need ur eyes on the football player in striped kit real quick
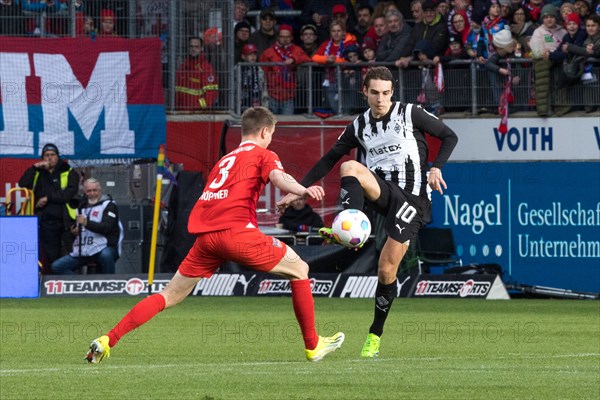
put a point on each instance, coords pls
(395, 180)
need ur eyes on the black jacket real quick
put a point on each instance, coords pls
(393, 44)
(436, 34)
(300, 220)
(577, 40)
(48, 185)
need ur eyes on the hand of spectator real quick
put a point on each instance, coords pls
(436, 60)
(41, 165)
(565, 47)
(403, 62)
(436, 182)
(503, 71)
(289, 61)
(472, 53)
(74, 229)
(545, 54)
(589, 48)
(41, 203)
(81, 219)
(516, 80)
(481, 60)
(330, 59)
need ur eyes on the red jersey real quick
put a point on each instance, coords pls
(229, 199)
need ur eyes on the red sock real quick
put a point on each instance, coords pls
(141, 313)
(304, 308)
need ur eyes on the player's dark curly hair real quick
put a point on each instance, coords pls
(379, 73)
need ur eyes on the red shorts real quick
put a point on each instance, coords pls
(246, 246)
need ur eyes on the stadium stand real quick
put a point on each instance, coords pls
(466, 83)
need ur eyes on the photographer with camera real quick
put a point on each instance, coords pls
(98, 232)
(54, 184)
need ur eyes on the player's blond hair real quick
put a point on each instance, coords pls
(255, 119)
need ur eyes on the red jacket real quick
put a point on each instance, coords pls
(321, 58)
(281, 80)
(196, 86)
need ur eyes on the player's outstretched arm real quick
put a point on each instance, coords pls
(288, 184)
(314, 192)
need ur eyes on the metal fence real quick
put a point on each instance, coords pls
(468, 87)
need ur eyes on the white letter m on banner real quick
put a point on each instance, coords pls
(62, 92)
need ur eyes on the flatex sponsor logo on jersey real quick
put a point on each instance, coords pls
(283, 286)
(133, 286)
(469, 288)
(386, 149)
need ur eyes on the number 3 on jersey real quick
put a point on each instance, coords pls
(225, 165)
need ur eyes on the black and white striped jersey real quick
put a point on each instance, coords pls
(393, 146)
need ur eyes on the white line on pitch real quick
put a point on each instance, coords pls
(95, 369)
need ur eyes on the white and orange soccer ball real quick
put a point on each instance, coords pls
(351, 228)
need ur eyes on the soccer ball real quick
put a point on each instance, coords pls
(351, 228)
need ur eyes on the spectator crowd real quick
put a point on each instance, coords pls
(427, 34)
(489, 33)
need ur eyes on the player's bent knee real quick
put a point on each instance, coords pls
(350, 168)
(171, 299)
(299, 271)
(387, 275)
(303, 270)
(294, 270)
(387, 272)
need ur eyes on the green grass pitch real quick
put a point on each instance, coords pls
(250, 348)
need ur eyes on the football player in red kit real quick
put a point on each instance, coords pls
(226, 229)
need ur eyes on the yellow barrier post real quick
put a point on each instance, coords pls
(159, 166)
(27, 208)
